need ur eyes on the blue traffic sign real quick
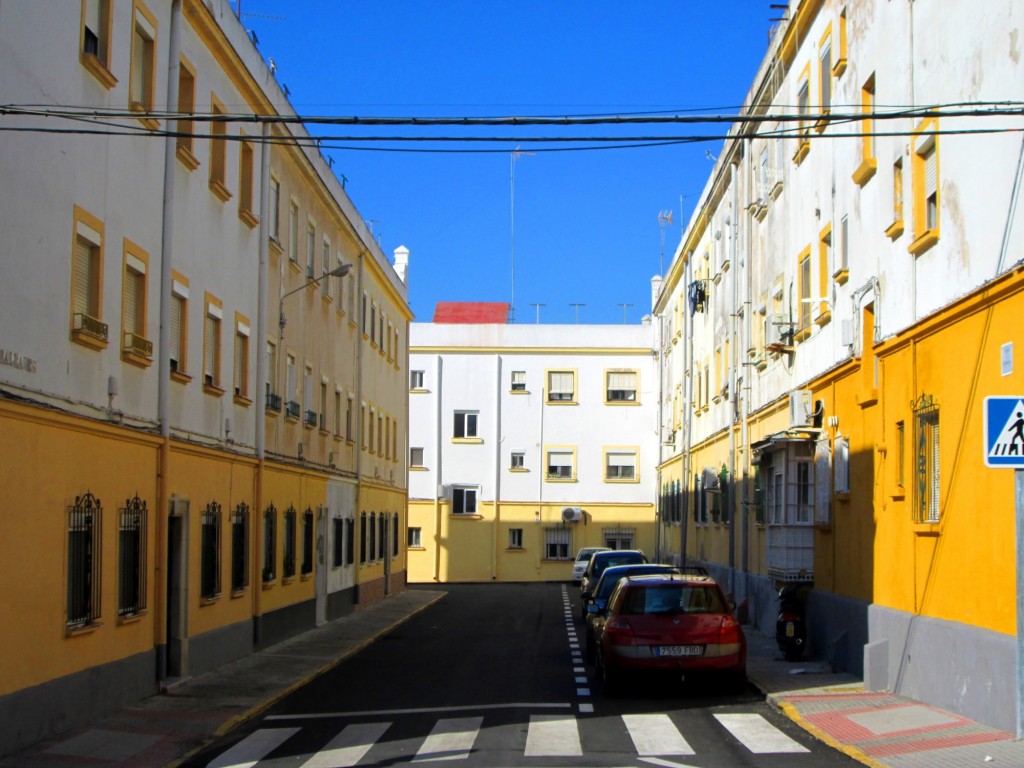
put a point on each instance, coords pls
(1004, 432)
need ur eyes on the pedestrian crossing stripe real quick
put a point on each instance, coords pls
(1004, 432)
(548, 736)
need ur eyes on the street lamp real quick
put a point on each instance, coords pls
(339, 271)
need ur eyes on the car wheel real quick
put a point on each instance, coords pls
(610, 677)
(591, 650)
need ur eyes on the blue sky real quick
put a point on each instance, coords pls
(586, 223)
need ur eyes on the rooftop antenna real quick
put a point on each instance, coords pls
(577, 306)
(624, 308)
(515, 155)
(664, 217)
(537, 308)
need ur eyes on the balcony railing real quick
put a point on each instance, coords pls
(292, 409)
(273, 402)
(137, 345)
(312, 418)
(90, 326)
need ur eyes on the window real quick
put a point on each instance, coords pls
(841, 55)
(293, 232)
(179, 328)
(362, 538)
(824, 260)
(803, 108)
(269, 543)
(310, 416)
(804, 277)
(896, 228)
(926, 439)
(245, 185)
(465, 424)
(211, 344)
(275, 210)
(338, 413)
(323, 405)
(325, 266)
(142, 72)
(561, 386)
(414, 538)
(415, 379)
(95, 44)
(620, 386)
(348, 418)
(464, 500)
(337, 542)
(518, 381)
(556, 543)
(209, 574)
(87, 326)
(135, 347)
(620, 465)
(85, 518)
(240, 547)
(560, 464)
(186, 108)
(841, 474)
(291, 405)
(825, 75)
(310, 251)
(868, 162)
(416, 457)
(131, 558)
(619, 538)
(218, 149)
(241, 367)
(842, 270)
(901, 455)
(515, 538)
(372, 545)
(518, 460)
(925, 179)
(395, 529)
(290, 533)
(307, 542)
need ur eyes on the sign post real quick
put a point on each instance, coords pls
(1004, 447)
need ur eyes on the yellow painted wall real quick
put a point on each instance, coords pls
(46, 460)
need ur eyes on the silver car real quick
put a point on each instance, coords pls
(582, 559)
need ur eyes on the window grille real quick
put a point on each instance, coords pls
(85, 519)
(620, 538)
(270, 543)
(210, 555)
(362, 538)
(307, 541)
(556, 543)
(131, 566)
(240, 547)
(382, 536)
(350, 540)
(394, 535)
(926, 439)
(338, 542)
(372, 546)
(289, 542)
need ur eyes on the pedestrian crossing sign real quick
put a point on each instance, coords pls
(1004, 432)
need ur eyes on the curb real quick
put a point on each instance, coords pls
(790, 711)
(235, 721)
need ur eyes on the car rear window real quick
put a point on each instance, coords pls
(608, 562)
(673, 598)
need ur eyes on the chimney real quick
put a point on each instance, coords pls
(402, 263)
(655, 290)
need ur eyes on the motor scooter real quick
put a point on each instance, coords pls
(790, 630)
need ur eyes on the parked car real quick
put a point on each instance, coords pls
(601, 560)
(579, 565)
(594, 605)
(669, 624)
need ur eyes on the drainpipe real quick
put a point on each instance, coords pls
(745, 395)
(731, 362)
(687, 403)
(439, 475)
(497, 468)
(164, 361)
(659, 511)
(261, 381)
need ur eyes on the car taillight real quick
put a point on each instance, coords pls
(619, 631)
(730, 631)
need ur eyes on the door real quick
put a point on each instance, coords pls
(321, 566)
(177, 589)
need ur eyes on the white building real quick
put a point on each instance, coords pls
(526, 443)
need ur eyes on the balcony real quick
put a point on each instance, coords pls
(273, 402)
(89, 331)
(292, 409)
(312, 418)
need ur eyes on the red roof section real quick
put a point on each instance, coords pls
(471, 312)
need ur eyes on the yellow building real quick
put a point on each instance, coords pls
(203, 367)
(849, 283)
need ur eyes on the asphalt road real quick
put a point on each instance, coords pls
(488, 677)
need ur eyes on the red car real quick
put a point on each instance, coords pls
(670, 624)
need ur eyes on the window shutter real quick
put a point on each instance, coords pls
(210, 349)
(623, 380)
(83, 275)
(561, 383)
(929, 171)
(176, 305)
(130, 299)
(239, 364)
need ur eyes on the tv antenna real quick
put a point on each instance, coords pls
(664, 218)
(514, 155)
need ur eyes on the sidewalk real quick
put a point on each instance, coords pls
(877, 729)
(163, 730)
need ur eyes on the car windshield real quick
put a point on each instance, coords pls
(673, 598)
(608, 562)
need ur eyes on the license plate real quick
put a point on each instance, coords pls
(679, 650)
(790, 629)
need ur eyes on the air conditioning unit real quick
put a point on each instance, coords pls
(571, 514)
(800, 409)
(710, 480)
(777, 331)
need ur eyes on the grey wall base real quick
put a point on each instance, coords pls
(341, 603)
(950, 665)
(43, 711)
(218, 647)
(288, 621)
